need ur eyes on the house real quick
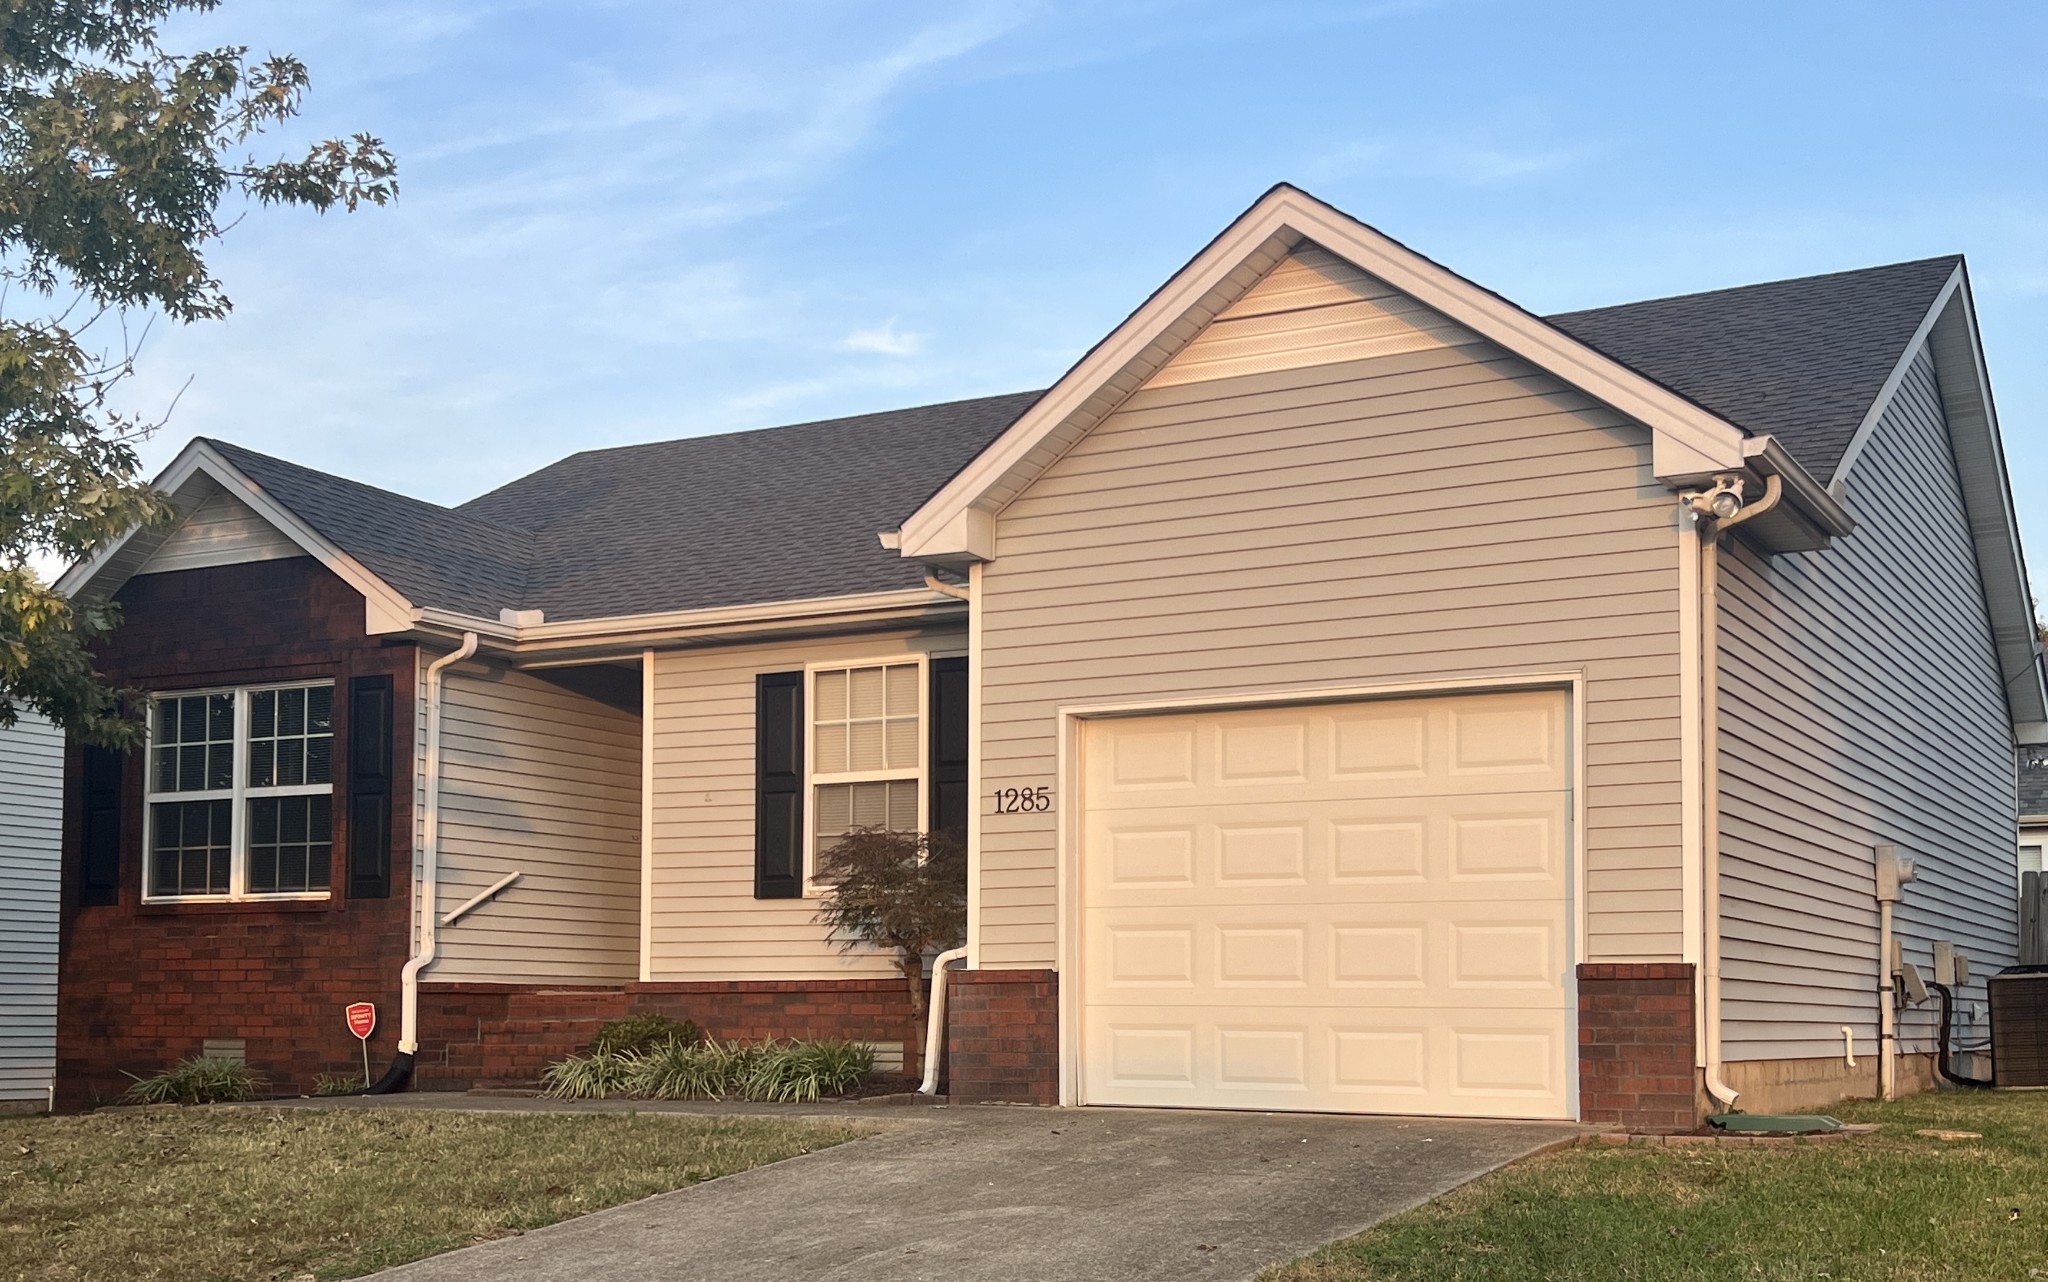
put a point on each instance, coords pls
(31, 810)
(1358, 693)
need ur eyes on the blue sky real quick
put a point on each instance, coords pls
(634, 221)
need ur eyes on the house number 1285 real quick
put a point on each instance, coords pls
(1022, 801)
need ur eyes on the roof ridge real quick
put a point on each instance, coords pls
(781, 427)
(233, 448)
(1759, 284)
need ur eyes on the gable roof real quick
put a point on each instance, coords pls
(1802, 360)
(433, 556)
(1689, 441)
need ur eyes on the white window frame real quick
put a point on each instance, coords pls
(238, 794)
(813, 780)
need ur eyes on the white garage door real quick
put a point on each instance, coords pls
(1355, 907)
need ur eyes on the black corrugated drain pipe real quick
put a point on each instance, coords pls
(1941, 1056)
(394, 1078)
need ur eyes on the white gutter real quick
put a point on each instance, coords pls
(935, 1020)
(1704, 506)
(430, 852)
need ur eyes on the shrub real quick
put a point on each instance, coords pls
(784, 1072)
(799, 1072)
(588, 1076)
(197, 1080)
(900, 891)
(640, 1033)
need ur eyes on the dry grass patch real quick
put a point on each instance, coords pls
(1891, 1207)
(278, 1194)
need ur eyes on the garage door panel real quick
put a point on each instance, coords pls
(1329, 843)
(1353, 907)
(1335, 1059)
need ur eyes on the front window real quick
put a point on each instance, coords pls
(241, 791)
(867, 750)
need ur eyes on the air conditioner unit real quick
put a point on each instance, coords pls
(2019, 1026)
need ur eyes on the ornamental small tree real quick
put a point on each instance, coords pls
(899, 891)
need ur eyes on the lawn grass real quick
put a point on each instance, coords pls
(200, 1194)
(1892, 1206)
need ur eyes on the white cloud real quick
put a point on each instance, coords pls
(884, 339)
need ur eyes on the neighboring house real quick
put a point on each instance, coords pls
(2033, 804)
(31, 829)
(1325, 671)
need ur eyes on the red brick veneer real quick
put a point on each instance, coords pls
(140, 985)
(506, 1033)
(1636, 1046)
(1002, 1037)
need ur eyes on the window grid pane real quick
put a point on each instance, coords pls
(290, 844)
(191, 846)
(866, 719)
(291, 737)
(889, 804)
(194, 744)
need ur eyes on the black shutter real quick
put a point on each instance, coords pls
(778, 785)
(99, 865)
(369, 787)
(947, 801)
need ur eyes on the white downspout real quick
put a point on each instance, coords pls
(1710, 763)
(430, 852)
(935, 1020)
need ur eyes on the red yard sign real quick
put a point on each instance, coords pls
(362, 1019)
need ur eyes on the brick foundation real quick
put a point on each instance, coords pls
(141, 986)
(1636, 1046)
(1002, 1037)
(505, 1034)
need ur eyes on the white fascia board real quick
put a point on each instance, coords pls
(640, 631)
(385, 609)
(1286, 216)
(1972, 416)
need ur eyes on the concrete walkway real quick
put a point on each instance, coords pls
(1000, 1194)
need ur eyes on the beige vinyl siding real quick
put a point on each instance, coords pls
(706, 922)
(544, 782)
(220, 531)
(1861, 703)
(31, 831)
(1437, 510)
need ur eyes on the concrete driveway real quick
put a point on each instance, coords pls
(999, 1194)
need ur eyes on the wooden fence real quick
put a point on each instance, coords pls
(2033, 919)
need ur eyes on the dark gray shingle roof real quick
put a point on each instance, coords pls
(787, 513)
(434, 556)
(1801, 360)
(773, 515)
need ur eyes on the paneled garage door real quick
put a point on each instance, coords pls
(1358, 907)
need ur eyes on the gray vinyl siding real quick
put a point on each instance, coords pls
(1861, 704)
(1434, 511)
(546, 783)
(705, 922)
(220, 531)
(31, 829)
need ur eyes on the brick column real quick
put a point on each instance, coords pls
(1636, 1046)
(1002, 1037)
